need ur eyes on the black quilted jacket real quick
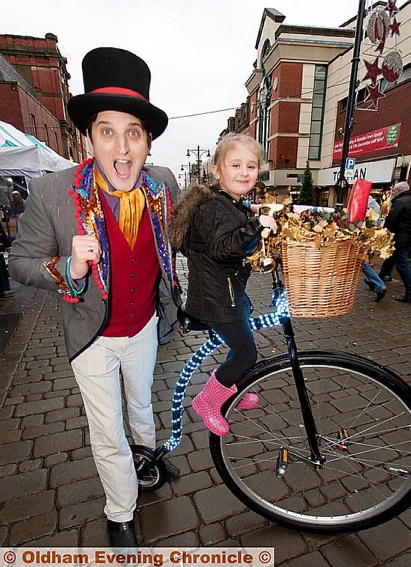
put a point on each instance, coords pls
(398, 219)
(221, 234)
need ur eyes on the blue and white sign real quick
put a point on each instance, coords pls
(349, 167)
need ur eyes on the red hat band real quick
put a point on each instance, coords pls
(117, 91)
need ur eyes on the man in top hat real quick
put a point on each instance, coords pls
(98, 235)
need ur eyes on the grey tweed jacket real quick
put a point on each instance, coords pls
(46, 229)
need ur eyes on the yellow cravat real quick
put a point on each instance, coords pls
(132, 205)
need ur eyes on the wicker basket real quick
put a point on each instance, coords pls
(320, 282)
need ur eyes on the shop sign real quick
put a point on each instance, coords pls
(381, 139)
(379, 171)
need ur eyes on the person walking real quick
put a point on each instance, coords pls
(372, 279)
(398, 221)
(216, 232)
(98, 235)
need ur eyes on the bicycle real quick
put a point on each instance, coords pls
(329, 447)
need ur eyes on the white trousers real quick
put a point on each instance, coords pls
(97, 371)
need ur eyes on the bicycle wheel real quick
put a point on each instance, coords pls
(151, 476)
(363, 419)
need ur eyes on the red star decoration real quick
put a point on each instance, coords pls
(375, 94)
(395, 27)
(373, 71)
(391, 7)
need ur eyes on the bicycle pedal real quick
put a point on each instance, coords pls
(282, 462)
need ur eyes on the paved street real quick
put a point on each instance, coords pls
(50, 494)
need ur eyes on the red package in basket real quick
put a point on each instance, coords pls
(357, 204)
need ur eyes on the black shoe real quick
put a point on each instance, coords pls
(370, 285)
(380, 295)
(172, 470)
(403, 299)
(122, 534)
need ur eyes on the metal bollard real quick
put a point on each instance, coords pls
(5, 290)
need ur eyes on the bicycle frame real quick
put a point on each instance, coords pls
(281, 317)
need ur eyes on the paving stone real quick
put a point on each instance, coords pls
(72, 471)
(211, 534)
(244, 523)
(342, 551)
(62, 414)
(26, 507)
(33, 528)
(8, 470)
(42, 406)
(65, 441)
(177, 515)
(32, 420)
(67, 539)
(186, 539)
(9, 437)
(55, 459)
(216, 503)
(31, 388)
(80, 491)
(94, 534)
(376, 539)
(287, 543)
(19, 485)
(200, 460)
(31, 465)
(40, 430)
(78, 514)
(191, 483)
(314, 558)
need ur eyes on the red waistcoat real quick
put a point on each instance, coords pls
(133, 277)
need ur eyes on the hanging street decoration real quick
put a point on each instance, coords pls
(382, 25)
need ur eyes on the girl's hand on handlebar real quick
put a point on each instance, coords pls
(268, 222)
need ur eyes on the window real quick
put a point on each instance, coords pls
(317, 112)
(33, 125)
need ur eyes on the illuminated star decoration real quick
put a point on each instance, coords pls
(391, 7)
(373, 71)
(375, 94)
(395, 27)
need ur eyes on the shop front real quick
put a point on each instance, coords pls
(383, 173)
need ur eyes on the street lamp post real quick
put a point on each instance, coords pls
(187, 174)
(341, 184)
(198, 153)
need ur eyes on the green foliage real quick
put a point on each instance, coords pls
(307, 192)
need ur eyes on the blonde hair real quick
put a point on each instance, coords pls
(230, 141)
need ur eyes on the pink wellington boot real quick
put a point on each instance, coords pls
(207, 404)
(248, 401)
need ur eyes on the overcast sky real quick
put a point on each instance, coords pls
(200, 52)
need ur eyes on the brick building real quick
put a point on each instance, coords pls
(34, 92)
(297, 99)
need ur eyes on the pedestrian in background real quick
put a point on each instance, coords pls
(372, 279)
(216, 231)
(398, 221)
(16, 207)
(98, 235)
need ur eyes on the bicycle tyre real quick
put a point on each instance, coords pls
(150, 475)
(363, 419)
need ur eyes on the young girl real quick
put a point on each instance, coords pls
(216, 231)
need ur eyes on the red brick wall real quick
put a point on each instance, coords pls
(393, 109)
(285, 115)
(16, 108)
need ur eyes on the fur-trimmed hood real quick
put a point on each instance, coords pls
(183, 212)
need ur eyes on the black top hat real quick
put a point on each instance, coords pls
(115, 79)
